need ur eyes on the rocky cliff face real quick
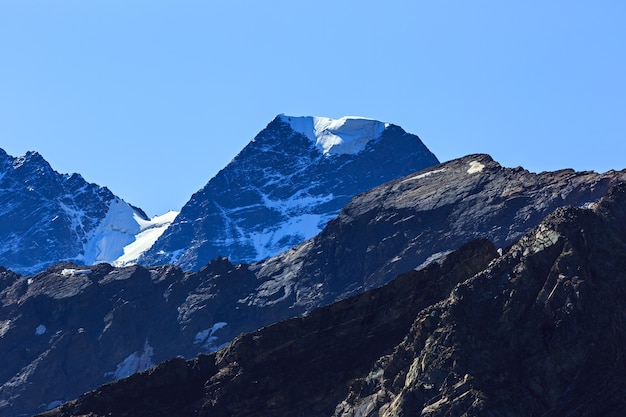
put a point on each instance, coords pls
(119, 321)
(47, 217)
(411, 221)
(539, 332)
(535, 331)
(284, 187)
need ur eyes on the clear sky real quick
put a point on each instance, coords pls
(152, 97)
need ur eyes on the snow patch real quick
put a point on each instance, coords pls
(40, 330)
(54, 404)
(475, 167)
(348, 135)
(5, 326)
(207, 339)
(423, 175)
(114, 232)
(135, 362)
(151, 230)
(71, 272)
(123, 235)
(280, 238)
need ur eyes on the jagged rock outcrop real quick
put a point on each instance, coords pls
(284, 186)
(538, 331)
(134, 317)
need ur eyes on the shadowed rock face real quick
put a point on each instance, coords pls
(536, 331)
(108, 323)
(539, 332)
(292, 367)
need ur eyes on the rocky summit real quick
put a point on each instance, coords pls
(534, 331)
(47, 217)
(284, 186)
(72, 328)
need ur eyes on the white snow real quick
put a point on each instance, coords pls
(347, 135)
(5, 326)
(268, 241)
(207, 339)
(114, 232)
(135, 362)
(298, 224)
(475, 167)
(123, 235)
(150, 232)
(423, 175)
(40, 330)
(70, 272)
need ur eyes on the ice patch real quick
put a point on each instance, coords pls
(5, 326)
(123, 235)
(135, 362)
(475, 167)
(589, 204)
(348, 135)
(70, 272)
(114, 232)
(54, 404)
(40, 330)
(150, 231)
(423, 175)
(207, 339)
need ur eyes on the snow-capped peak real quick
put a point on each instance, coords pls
(347, 135)
(123, 235)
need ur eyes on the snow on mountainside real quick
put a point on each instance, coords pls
(335, 137)
(47, 217)
(149, 232)
(284, 186)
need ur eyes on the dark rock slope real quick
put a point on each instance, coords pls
(537, 331)
(70, 329)
(405, 223)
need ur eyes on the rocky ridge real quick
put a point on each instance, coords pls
(535, 331)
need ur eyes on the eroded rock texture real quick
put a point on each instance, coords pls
(538, 331)
(115, 322)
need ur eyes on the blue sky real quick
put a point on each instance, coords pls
(152, 98)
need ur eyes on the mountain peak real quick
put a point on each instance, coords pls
(347, 135)
(284, 186)
(30, 158)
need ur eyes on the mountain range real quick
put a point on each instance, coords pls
(334, 267)
(72, 328)
(536, 330)
(280, 190)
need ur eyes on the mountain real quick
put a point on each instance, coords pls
(279, 191)
(284, 186)
(47, 217)
(72, 328)
(535, 331)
